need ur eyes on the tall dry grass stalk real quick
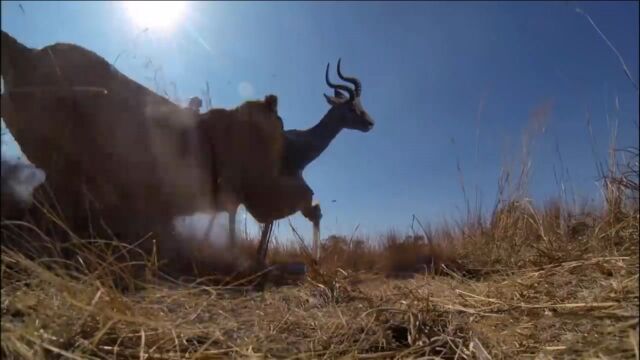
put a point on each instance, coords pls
(551, 280)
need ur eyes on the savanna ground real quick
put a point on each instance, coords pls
(552, 281)
(557, 280)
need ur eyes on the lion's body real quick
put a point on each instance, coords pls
(248, 147)
(247, 143)
(104, 139)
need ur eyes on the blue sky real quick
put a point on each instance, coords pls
(443, 80)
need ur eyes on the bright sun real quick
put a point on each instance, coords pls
(156, 15)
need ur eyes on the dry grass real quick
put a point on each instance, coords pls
(551, 281)
(546, 283)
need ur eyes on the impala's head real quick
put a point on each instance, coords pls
(347, 107)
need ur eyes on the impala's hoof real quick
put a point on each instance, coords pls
(316, 212)
(290, 273)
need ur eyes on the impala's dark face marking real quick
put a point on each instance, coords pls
(348, 109)
(352, 114)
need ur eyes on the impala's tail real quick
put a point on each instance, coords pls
(14, 57)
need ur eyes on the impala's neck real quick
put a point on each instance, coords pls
(323, 133)
(304, 146)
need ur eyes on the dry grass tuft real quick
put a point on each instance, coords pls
(551, 281)
(553, 284)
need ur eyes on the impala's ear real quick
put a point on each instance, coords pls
(339, 94)
(332, 100)
(272, 102)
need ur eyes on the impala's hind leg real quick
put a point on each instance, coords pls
(229, 203)
(279, 198)
(314, 214)
(263, 247)
(232, 227)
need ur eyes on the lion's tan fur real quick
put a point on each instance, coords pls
(138, 155)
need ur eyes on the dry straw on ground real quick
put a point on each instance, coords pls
(556, 281)
(552, 281)
(526, 283)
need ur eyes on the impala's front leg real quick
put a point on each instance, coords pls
(314, 214)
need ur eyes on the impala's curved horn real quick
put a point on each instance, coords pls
(352, 80)
(344, 88)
